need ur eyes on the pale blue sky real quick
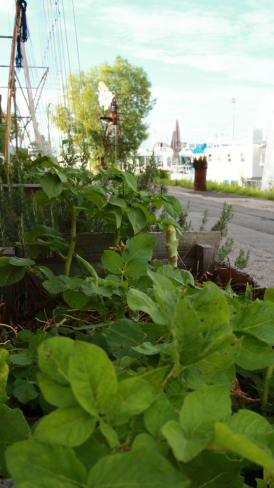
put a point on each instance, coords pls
(198, 55)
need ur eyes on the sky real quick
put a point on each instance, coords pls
(198, 55)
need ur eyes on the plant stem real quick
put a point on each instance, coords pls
(72, 242)
(161, 360)
(267, 386)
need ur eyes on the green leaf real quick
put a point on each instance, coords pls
(172, 205)
(149, 349)
(13, 428)
(187, 331)
(257, 318)
(24, 391)
(21, 261)
(137, 219)
(213, 312)
(255, 354)
(88, 266)
(158, 414)
(56, 285)
(122, 335)
(54, 356)
(119, 202)
(155, 378)
(56, 393)
(93, 378)
(52, 185)
(133, 397)
(21, 358)
(41, 198)
(130, 180)
(112, 261)
(135, 268)
(140, 301)
(79, 300)
(10, 274)
(139, 248)
(4, 372)
(213, 470)
(46, 483)
(47, 272)
(153, 330)
(177, 276)
(146, 441)
(200, 411)
(249, 435)
(110, 434)
(269, 294)
(114, 212)
(92, 450)
(117, 470)
(32, 461)
(68, 426)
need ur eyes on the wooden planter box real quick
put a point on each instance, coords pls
(30, 188)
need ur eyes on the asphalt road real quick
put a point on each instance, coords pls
(252, 226)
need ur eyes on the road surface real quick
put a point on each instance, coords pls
(252, 226)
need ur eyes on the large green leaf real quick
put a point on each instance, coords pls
(213, 312)
(56, 393)
(130, 180)
(172, 205)
(255, 353)
(112, 261)
(93, 378)
(42, 198)
(177, 276)
(140, 468)
(31, 461)
(15, 261)
(139, 248)
(200, 411)
(10, 274)
(146, 441)
(13, 428)
(158, 414)
(249, 435)
(81, 301)
(115, 213)
(57, 284)
(137, 219)
(140, 301)
(54, 356)
(122, 335)
(217, 367)
(46, 483)
(68, 426)
(134, 397)
(187, 331)
(257, 318)
(52, 185)
(213, 470)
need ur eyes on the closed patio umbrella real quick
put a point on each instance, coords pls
(176, 145)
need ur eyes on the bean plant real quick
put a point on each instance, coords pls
(148, 395)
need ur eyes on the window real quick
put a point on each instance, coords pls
(242, 157)
(209, 158)
(229, 158)
(219, 158)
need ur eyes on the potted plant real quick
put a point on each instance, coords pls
(200, 166)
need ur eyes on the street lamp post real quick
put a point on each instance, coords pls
(233, 101)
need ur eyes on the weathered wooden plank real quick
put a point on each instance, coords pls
(94, 245)
(205, 258)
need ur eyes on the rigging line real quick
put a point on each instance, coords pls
(62, 44)
(61, 65)
(53, 42)
(72, 89)
(80, 71)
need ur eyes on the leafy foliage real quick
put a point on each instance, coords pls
(135, 402)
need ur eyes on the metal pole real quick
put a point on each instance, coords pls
(10, 84)
(233, 101)
(15, 115)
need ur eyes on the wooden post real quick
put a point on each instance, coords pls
(10, 87)
(205, 254)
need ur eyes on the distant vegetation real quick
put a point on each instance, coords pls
(227, 188)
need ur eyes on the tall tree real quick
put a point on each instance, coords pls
(133, 90)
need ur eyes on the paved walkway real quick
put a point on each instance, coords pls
(252, 226)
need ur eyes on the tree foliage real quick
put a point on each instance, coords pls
(133, 91)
